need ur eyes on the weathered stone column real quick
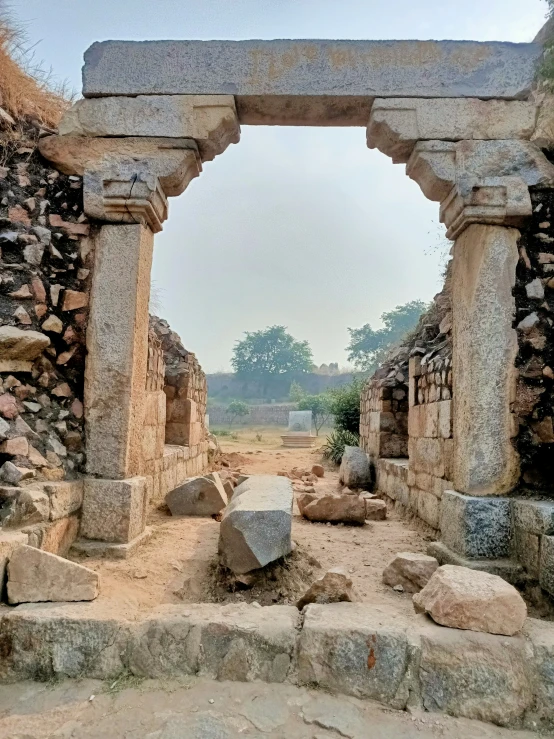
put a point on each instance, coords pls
(484, 351)
(133, 153)
(117, 344)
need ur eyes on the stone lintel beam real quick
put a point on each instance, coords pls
(126, 180)
(397, 124)
(480, 181)
(335, 68)
(211, 120)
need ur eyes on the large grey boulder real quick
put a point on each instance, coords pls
(335, 508)
(199, 496)
(256, 525)
(35, 576)
(355, 469)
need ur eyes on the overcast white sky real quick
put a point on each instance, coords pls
(304, 227)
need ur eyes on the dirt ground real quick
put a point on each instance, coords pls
(180, 564)
(203, 709)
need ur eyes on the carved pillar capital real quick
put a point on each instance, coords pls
(126, 180)
(479, 181)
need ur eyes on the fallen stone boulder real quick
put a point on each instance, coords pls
(333, 587)
(35, 576)
(469, 599)
(198, 496)
(318, 470)
(256, 525)
(375, 510)
(411, 570)
(355, 469)
(334, 508)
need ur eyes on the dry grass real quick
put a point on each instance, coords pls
(26, 93)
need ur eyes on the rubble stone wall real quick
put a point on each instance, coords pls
(274, 414)
(384, 411)
(46, 263)
(175, 442)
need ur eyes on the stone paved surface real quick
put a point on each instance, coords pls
(201, 709)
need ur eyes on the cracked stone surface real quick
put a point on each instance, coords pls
(204, 709)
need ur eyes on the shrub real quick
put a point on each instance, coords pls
(237, 409)
(345, 406)
(336, 441)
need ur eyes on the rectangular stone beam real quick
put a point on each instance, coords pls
(340, 76)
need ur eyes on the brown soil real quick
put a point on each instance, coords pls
(180, 563)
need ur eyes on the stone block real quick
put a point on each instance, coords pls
(429, 508)
(29, 507)
(148, 443)
(18, 345)
(527, 550)
(65, 498)
(533, 516)
(476, 527)
(546, 575)
(355, 469)
(58, 536)
(9, 540)
(396, 125)
(430, 421)
(356, 649)
(426, 455)
(414, 421)
(114, 510)
(35, 576)
(445, 418)
(151, 404)
(375, 510)
(51, 641)
(477, 676)
(345, 508)
(199, 496)
(256, 70)
(412, 570)
(230, 642)
(541, 636)
(465, 599)
(256, 525)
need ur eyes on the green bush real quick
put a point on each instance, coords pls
(336, 441)
(221, 432)
(345, 406)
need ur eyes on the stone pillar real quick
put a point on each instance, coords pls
(484, 351)
(117, 343)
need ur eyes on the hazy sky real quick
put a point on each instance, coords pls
(304, 227)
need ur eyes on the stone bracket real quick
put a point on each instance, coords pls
(126, 180)
(479, 181)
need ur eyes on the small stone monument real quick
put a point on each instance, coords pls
(299, 433)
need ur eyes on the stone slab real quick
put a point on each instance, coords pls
(109, 550)
(546, 569)
(357, 649)
(210, 120)
(534, 516)
(476, 527)
(337, 69)
(199, 496)
(256, 525)
(508, 569)
(230, 642)
(396, 125)
(114, 510)
(35, 576)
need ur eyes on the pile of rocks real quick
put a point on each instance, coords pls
(534, 397)
(46, 265)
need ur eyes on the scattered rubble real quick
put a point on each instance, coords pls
(375, 510)
(332, 587)
(410, 570)
(469, 599)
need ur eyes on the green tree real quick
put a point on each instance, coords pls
(296, 392)
(320, 406)
(368, 347)
(237, 409)
(265, 355)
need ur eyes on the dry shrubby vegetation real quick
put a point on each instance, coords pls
(27, 93)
